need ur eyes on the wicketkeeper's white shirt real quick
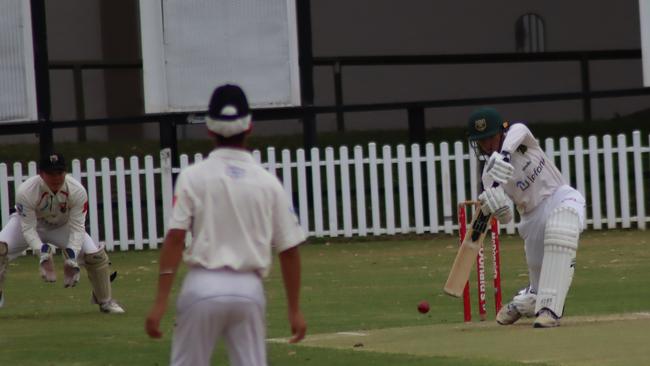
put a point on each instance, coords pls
(535, 177)
(236, 212)
(42, 209)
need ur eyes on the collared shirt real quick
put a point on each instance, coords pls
(236, 212)
(41, 209)
(535, 176)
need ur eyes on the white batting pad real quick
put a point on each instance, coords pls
(560, 245)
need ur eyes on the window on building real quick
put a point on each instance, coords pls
(530, 33)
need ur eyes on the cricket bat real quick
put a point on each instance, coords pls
(466, 256)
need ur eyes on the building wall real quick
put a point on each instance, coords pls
(102, 30)
(380, 27)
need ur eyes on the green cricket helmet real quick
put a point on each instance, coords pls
(484, 122)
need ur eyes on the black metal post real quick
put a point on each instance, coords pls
(417, 132)
(338, 91)
(42, 76)
(305, 55)
(168, 137)
(80, 101)
(586, 89)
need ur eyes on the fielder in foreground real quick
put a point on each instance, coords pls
(51, 208)
(552, 213)
(236, 212)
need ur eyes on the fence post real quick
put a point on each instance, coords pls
(316, 192)
(122, 214)
(638, 181)
(107, 203)
(166, 185)
(623, 182)
(4, 194)
(359, 180)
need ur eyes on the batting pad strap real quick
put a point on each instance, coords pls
(98, 268)
(560, 244)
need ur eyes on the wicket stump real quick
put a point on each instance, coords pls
(480, 265)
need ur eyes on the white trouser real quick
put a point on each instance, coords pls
(216, 304)
(12, 234)
(532, 226)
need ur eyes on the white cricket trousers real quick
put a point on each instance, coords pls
(12, 234)
(532, 226)
(215, 305)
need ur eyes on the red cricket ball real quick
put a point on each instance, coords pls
(423, 307)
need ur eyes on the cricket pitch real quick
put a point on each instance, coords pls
(605, 340)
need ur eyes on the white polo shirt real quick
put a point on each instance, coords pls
(235, 210)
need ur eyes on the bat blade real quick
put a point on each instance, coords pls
(466, 256)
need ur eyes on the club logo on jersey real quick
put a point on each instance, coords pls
(480, 125)
(522, 149)
(235, 172)
(63, 207)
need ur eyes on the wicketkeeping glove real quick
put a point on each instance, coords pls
(46, 264)
(498, 167)
(70, 268)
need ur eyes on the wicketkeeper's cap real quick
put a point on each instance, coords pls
(52, 162)
(484, 122)
(228, 113)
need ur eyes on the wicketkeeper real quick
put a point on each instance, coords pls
(51, 208)
(552, 213)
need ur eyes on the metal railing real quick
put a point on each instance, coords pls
(169, 121)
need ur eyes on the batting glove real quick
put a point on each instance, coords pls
(493, 199)
(498, 167)
(504, 215)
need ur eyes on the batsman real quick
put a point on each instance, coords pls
(552, 213)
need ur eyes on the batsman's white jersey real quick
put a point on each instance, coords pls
(535, 177)
(42, 210)
(237, 212)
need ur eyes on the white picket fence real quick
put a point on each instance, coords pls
(356, 191)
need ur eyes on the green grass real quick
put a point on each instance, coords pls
(372, 284)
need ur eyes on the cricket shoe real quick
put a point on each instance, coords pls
(111, 307)
(508, 314)
(523, 304)
(546, 319)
